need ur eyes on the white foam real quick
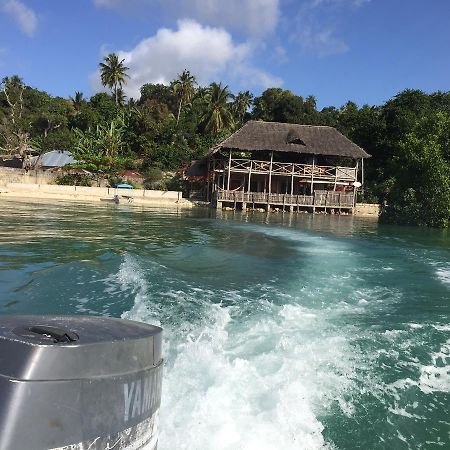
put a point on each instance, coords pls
(254, 384)
(444, 275)
(258, 387)
(441, 327)
(436, 376)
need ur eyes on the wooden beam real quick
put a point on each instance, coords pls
(292, 179)
(362, 176)
(270, 174)
(354, 188)
(229, 169)
(312, 185)
(207, 180)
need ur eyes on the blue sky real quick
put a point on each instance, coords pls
(338, 50)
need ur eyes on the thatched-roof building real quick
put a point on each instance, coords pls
(284, 166)
(258, 136)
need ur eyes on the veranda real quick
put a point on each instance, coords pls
(247, 183)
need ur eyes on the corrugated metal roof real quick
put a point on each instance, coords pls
(55, 158)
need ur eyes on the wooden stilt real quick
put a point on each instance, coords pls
(270, 179)
(362, 176)
(292, 181)
(354, 187)
(312, 185)
(229, 172)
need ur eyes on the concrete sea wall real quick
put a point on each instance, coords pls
(12, 175)
(49, 191)
(367, 209)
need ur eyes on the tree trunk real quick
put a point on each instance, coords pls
(179, 110)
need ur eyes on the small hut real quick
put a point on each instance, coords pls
(52, 160)
(285, 166)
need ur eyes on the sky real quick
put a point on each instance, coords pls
(366, 51)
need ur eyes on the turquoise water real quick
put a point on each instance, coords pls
(281, 332)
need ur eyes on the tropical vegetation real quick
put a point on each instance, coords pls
(169, 125)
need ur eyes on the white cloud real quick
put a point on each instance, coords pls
(322, 41)
(256, 17)
(253, 17)
(22, 14)
(209, 53)
(317, 25)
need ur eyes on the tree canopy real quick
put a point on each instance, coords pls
(169, 125)
(113, 74)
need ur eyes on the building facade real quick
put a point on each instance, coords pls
(285, 166)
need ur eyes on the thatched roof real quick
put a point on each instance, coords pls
(287, 137)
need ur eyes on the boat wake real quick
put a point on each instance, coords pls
(256, 382)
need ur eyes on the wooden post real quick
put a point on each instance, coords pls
(229, 171)
(214, 176)
(249, 177)
(292, 179)
(362, 176)
(354, 187)
(291, 207)
(270, 176)
(312, 186)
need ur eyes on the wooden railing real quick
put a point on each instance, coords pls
(288, 169)
(330, 199)
(333, 199)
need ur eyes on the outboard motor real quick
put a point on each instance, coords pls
(78, 383)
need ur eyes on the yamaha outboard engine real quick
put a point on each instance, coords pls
(78, 383)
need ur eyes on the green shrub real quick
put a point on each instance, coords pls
(114, 181)
(174, 184)
(153, 178)
(75, 179)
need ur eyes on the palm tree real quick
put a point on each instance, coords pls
(218, 114)
(120, 97)
(77, 100)
(113, 73)
(241, 104)
(184, 88)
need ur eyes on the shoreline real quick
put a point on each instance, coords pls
(135, 197)
(73, 194)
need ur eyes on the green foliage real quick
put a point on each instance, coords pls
(421, 191)
(153, 177)
(113, 74)
(241, 105)
(408, 137)
(160, 94)
(184, 90)
(218, 115)
(76, 179)
(105, 141)
(175, 183)
(14, 127)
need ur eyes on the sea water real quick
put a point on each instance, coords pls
(280, 331)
